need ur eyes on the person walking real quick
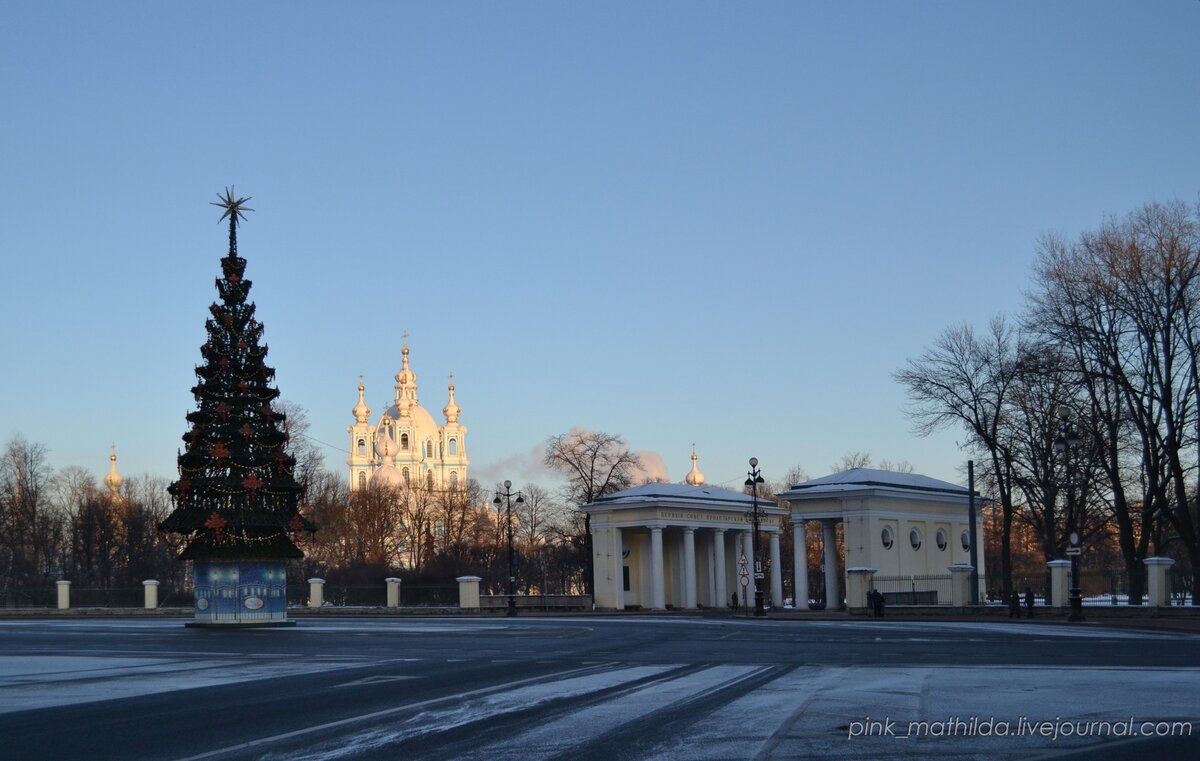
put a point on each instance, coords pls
(878, 603)
(1014, 605)
(1029, 602)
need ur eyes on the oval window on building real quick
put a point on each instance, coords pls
(453, 447)
(362, 447)
(914, 538)
(966, 539)
(942, 539)
(886, 537)
(404, 441)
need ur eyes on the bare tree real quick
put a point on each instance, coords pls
(1124, 301)
(595, 464)
(309, 457)
(794, 475)
(28, 527)
(850, 461)
(965, 380)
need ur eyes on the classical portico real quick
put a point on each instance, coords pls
(680, 545)
(897, 524)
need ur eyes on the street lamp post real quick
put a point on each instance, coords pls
(508, 503)
(1067, 444)
(753, 479)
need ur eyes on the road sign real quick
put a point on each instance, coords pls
(1074, 550)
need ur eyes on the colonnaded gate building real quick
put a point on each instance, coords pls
(681, 545)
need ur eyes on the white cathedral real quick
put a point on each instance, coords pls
(406, 447)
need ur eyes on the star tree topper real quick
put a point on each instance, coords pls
(233, 206)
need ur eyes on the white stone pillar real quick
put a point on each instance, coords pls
(64, 595)
(658, 593)
(689, 568)
(859, 581)
(800, 563)
(776, 573)
(748, 548)
(719, 567)
(1060, 571)
(618, 559)
(833, 599)
(150, 593)
(393, 592)
(1157, 589)
(316, 593)
(468, 592)
(960, 584)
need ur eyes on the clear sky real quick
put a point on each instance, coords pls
(719, 223)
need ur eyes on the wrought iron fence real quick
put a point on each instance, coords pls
(914, 590)
(375, 595)
(538, 602)
(37, 597)
(93, 597)
(816, 589)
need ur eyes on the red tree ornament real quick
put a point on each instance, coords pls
(217, 524)
(252, 483)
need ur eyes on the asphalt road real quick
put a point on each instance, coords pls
(593, 688)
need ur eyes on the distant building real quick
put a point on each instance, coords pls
(113, 479)
(896, 524)
(406, 446)
(686, 545)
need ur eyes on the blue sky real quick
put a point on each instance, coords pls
(681, 222)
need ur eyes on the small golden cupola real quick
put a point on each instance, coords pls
(361, 411)
(113, 480)
(451, 410)
(695, 477)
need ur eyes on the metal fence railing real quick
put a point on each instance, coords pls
(94, 597)
(538, 602)
(375, 595)
(914, 590)
(29, 598)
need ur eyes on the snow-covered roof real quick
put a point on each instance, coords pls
(870, 478)
(683, 494)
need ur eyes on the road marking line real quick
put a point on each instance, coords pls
(377, 714)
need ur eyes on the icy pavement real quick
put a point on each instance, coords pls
(809, 712)
(41, 681)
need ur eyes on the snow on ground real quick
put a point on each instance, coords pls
(808, 712)
(41, 681)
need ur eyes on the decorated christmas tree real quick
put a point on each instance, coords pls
(237, 499)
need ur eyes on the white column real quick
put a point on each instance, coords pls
(833, 600)
(719, 567)
(960, 584)
(150, 593)
(393, 591)
(1060, 571)
(689, 568)
(776, 573)
(1158, 588)
(800, 561)
(618, 553)
(64, 594)
(316, 593)
(658, 594)
(468, 592)
(748, 548)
